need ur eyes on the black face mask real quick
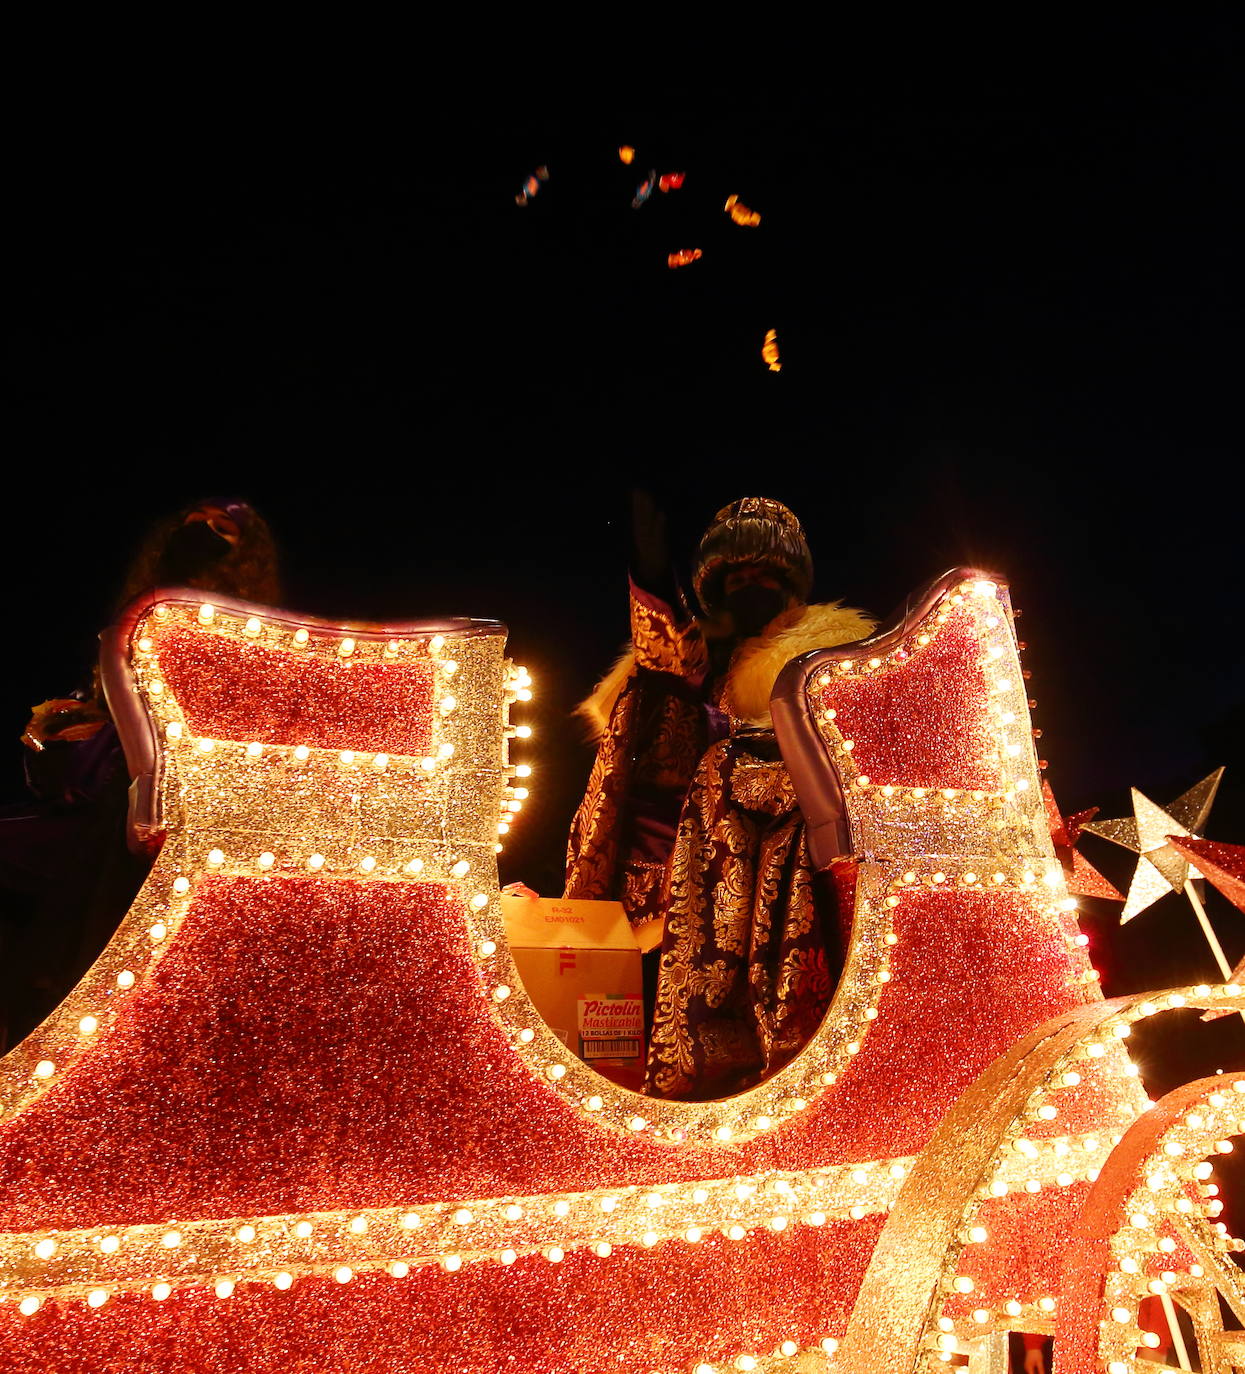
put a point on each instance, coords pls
(753, 606)
(190, 551)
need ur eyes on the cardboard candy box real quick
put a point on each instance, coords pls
(580, 965)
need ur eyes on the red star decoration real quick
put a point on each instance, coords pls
(1221, 864)
(1081, 877)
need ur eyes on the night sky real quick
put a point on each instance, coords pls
(1009, 332)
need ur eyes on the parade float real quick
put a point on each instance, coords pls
(302, 1115)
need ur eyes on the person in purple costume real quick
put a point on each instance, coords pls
(66, 873)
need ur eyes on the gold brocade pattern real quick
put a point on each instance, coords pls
(745, 971)
(663, 646)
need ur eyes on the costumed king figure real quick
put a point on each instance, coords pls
(689, 816)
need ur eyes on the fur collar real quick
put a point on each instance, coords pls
(754, 668)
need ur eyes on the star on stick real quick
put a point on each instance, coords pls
(1161, 868)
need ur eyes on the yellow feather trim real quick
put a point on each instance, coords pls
(596, 709)
(757, 662)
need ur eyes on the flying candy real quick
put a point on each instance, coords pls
(683, 257)
(769, 350)
(740, 213)
(671, 181)
(626, 154)
(532, 185)
(644, 190)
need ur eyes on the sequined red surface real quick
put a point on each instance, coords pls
(927, 726)
(237, 691)
(664, 1310)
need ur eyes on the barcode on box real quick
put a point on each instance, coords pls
(611, 1049)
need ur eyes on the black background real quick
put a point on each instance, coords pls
(1006, 297)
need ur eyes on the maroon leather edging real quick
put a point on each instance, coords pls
(814, 773)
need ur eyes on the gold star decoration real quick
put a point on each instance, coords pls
(1161, 868)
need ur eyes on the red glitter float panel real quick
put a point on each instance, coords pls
(923, 723)
(238, 691)
(661, 1310)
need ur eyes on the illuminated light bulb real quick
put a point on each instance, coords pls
(346, 648)
(830, 713)
(125, 979)
(452, 1263)
(1047, 1112)
(1008, 718)
(508, 1256)
(561, 1208)
(593, 1104)
(1095, 1050)
(892, 900)
(300, 636)
(1060, 1147)
(158, 931)
(97, 1297)
(922, 639)
(853, 1047)
(723, 1133)
(608, 1204)
(1064, 1180)
(554, 1254)
(745, 1362)
(346, 756)
(343, 1273)
(206, 612)
(358, 1225)
(513, 1212)
(1022, 784)
(862, 781)
(367, 864)
(1196, 1271)
(224, 1289)
(1121, 1314)
(392, 647)
(527, 1036)
(216, 857)
(436, 644)
(500, 992)
(829, 1345)
(849, 745)
(1119, 1366)
(44, 1068)
(487, 948)
(521, 793)
(415, 865)
(705, 1369)
(160, 1291)
(736, 1232)
(892, 938)
(963, 1284)
(303, 1229)
(461, 869)
(938, 877)
(1173, 1147)
(1167, 1245)
(171, 1240)
(449, 667)
(246, 1234)
(301, 752)
(266, 859)
(871, 1013)
(381, 762)
(1203, 1170)
(970, 878)
(463, 1217)
(981, 1314)
(1140, 1220)
(1224, 1147)
(206, 746)
(1081, 941)
(788, 1348)
(693, 1234)
(173, 730)
(449, 703)
(181, 885)
(603, 1249)
(1070, 1079)
(998, 1188)
(847, 665)
(816, 1219)
(778, 1223)
(1032, 1186)
(524, 732)
(45, 1249)
(884, 975)
(949, 793)
(1013, 750)
(524, 770)
(1195, 1121)
(253, 626)
(978, 1234)
(315, 862)
(109, 1244)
